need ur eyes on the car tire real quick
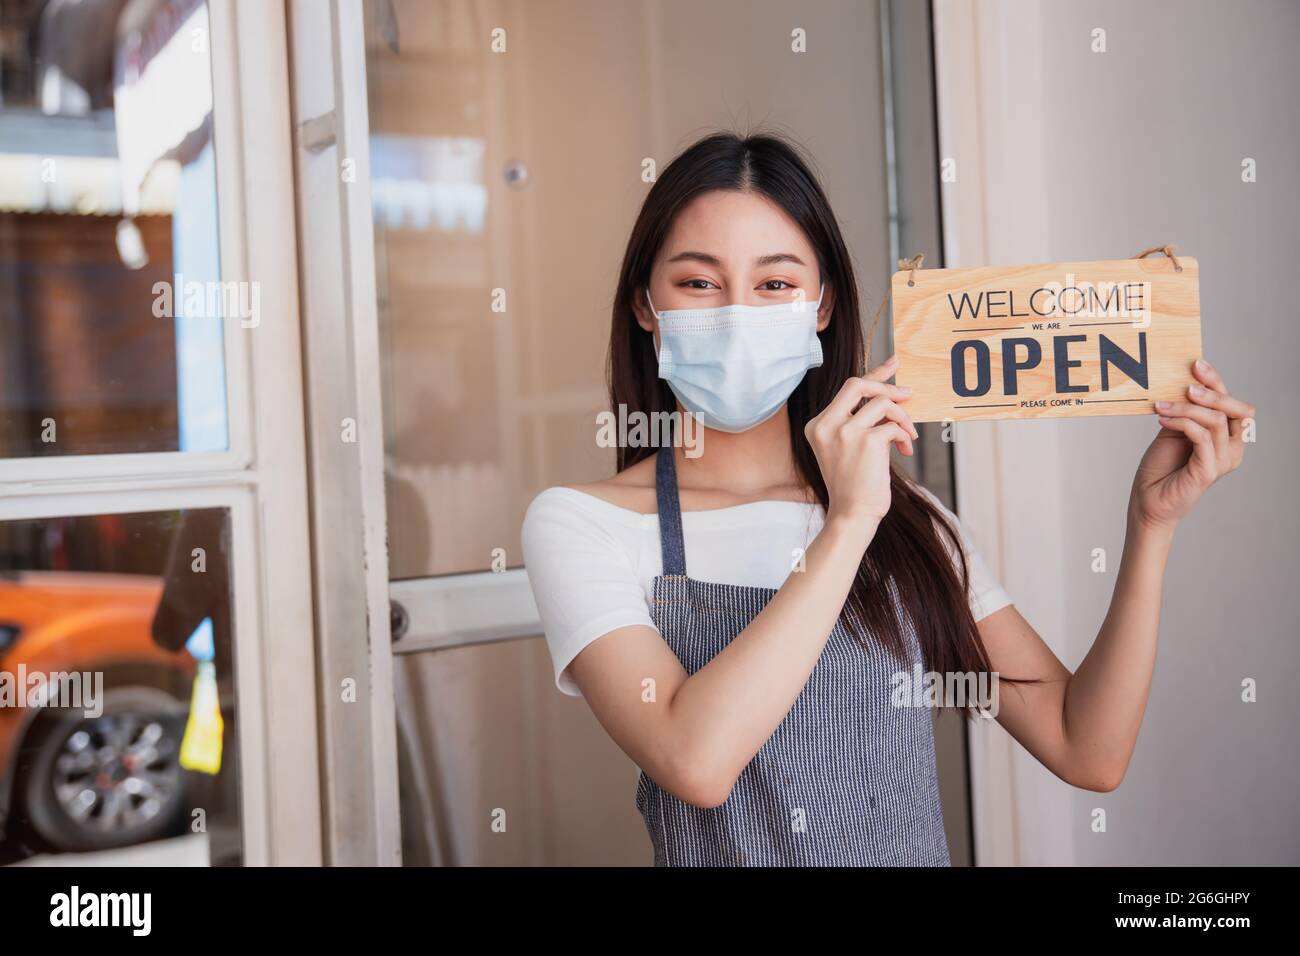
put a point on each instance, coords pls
(101, 783)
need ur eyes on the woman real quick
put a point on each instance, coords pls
(737, 612)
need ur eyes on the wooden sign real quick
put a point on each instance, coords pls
(1047, 341)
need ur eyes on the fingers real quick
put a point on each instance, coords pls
(872, 413)
(1208, 375)
(877, 413)
(853, 391)
(892, 433)
(1202, 465)
(839, 420)
(1216, 395)
(1230, 406)
(1212, 420)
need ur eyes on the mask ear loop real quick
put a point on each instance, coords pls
(662, 355)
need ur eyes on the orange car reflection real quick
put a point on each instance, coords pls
(69, 781)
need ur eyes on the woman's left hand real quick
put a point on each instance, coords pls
(1200, 442)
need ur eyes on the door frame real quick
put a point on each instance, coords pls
(344, 408)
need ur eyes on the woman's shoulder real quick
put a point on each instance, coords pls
(558, 503)
(628, 495)
(570, 527)
(563, 515)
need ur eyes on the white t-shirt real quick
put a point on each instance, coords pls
(592, 564)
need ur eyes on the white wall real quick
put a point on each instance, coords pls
(1067, 154)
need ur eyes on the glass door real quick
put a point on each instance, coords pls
(509, 145)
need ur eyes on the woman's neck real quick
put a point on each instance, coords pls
(745, 463)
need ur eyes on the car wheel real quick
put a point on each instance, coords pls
(99, 783)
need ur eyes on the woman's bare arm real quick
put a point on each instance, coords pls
(1084, 727)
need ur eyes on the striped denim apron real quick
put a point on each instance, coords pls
(847, 779)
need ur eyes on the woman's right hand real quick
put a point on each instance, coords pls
(852, 444)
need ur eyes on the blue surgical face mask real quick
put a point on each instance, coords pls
(735, 366)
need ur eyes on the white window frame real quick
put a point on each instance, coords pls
(261, 478)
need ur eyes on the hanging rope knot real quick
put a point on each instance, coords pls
(1167, 249)
(911, 265)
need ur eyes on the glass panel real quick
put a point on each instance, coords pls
(117, 696)
(111, 305)
(464, 399)
(511, 179)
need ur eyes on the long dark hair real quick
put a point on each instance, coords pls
(909, 556)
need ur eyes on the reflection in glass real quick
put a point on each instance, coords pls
(108, 231)
(117, 701)
(494, 268)
(462, 270)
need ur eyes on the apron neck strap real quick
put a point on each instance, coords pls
(670, 513)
